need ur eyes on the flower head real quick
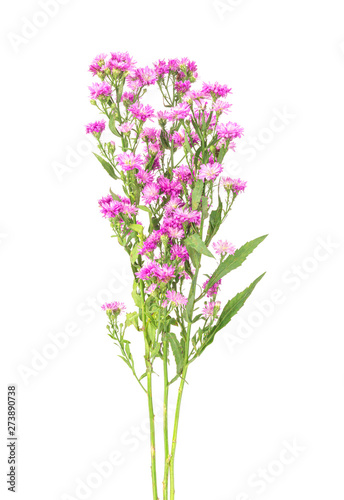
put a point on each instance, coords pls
(176, 298)
(100, 90)
(114, 308)
(236, 185)
(95, 127)
(210, 171)
(211, 309)
(128, 161)
(142, 112)
(223, 247)
(229, 131)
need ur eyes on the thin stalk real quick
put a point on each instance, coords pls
(166, 444)
(176, 419)
(150, 399)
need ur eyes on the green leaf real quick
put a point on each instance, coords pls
(197, 193)
(187, 145)
(135, 295)
(134, 253)
(177, 351)
(214, 222)
(112, 125)
(137, 227)
(205, 207)
(234, 261)
(230, 309)
(221, 154)
(195, 242)
(151, 331)
(107, 166)
(132, 319)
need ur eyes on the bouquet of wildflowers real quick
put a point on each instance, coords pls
(172, 204)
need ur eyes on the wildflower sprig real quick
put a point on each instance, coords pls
(172, 203)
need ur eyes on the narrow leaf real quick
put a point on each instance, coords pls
(197, 193)
(230, 309)
(194, 241)
(107, 166)
(234, 261)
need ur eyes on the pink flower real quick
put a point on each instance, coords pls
(151, 242)
(213, 289)
(144, 76)
(150, 193)
(142, 112)
(143, 176)
(95, 127)
(179, 112)
(179, 252)
(152, 288)
(121, 61)
(148, 271)
(128, 161)
(216, 90)
(221, 107)
(229, 131)
(211, 309)
(115, 308)
(176, 298)
(165, 273)
(101, 89)
(223, 247)
(97, 63)
(183, 87)
(125, 128)
(175, 232)
(191, 216)
(110, 208)
(182, 173)
(210, 171)
(236, 185)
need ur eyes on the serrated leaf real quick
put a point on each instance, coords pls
(197, 193)
(234, 261)
(177, 351)
(107, 166)
(195, 242)
(230, 309)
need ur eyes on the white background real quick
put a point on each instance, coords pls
(271, 377)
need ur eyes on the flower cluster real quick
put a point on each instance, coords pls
(169, 171)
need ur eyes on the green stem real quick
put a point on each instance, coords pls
(167, 458)
(176, 420)
(150, 399)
